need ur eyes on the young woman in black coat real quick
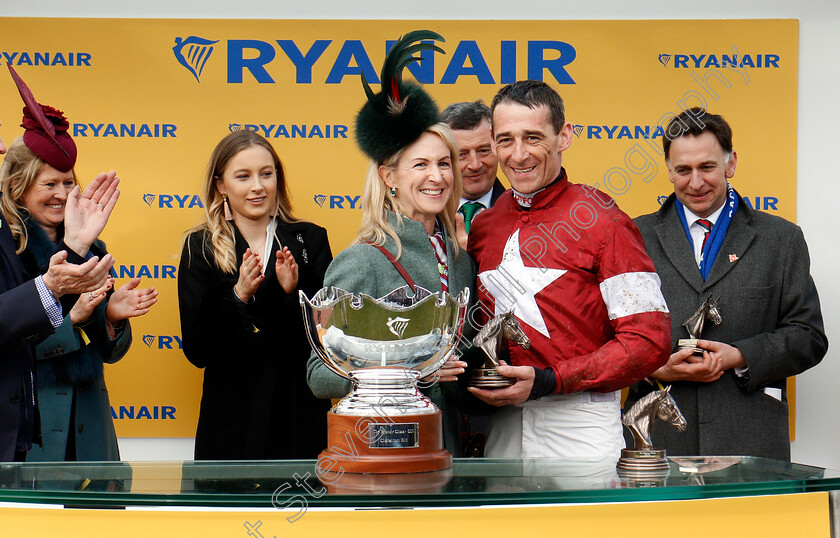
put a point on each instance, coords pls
(238, 282)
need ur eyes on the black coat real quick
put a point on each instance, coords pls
(255, 402)
(23, 321)
(771, 313)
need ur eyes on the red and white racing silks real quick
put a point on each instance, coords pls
(574, 270)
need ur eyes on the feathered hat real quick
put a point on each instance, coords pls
(46, 130)
(397, 116)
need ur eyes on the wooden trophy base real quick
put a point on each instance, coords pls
(396, 444)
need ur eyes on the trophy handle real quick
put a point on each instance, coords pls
(312, 335)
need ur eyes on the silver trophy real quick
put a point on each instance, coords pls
(385, 346)
(694, 324)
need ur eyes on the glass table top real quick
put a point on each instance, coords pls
(470, 482)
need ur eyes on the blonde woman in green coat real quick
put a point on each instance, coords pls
(408, 199)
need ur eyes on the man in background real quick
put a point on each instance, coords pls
(471, 124)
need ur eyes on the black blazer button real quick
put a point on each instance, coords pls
(15, 399)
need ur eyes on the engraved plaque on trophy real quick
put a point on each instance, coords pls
(384, 346)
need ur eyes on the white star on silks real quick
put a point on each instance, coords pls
(513, 286)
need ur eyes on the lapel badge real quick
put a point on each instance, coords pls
(733, 258)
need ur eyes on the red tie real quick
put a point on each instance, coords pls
(707, 225)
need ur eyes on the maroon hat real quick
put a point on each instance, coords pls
(46, 130)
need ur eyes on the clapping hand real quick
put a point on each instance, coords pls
(286, 270)
(88, 301)
(86, 213)
(250, 276)
(129, 301)
(62, 277)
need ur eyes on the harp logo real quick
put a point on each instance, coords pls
(149, 199)
(320, 199)
(661, 199)
(397, 326)
(193, 53)
(664, 59)
(578, 129)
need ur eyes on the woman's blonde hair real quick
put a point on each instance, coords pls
(377, 198)
(19, 171)
(218, 230)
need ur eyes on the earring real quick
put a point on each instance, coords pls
(393, 191)
(228, 215)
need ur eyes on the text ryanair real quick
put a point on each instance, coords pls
(145, 271)
(761, 203)
(163, 341)
(705, 61)
(148, 412)
(465, 60)
(282, 130)
(339, 201)
(618, 132)
(172, 201)
(125, 130)
(52, 59)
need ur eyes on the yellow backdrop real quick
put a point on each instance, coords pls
(150, 99)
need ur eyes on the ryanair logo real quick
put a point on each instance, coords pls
(338, 201)
(761, 203)
(289, 130)
(153, 412)
(125, 130)
(162, 342)
(145, 271)
(173, 201)
(732, 61)
(48, 58)
(487, 63)
(397, 326)
(193, 53)
(618, 132)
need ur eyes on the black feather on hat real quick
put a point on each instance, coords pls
(396, 116)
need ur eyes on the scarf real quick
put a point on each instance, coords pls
(79, 366)
(718, 233)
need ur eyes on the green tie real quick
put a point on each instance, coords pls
(469, 210)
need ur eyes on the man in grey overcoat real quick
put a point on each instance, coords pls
(705, 240)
